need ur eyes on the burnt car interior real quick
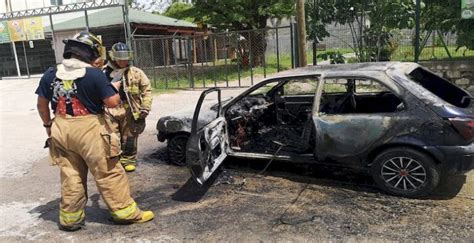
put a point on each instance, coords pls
(276, 118)
(359, 96)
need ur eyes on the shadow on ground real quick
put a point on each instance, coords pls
(327, 175)
(192, 191)
(337, 176)
(94, 213)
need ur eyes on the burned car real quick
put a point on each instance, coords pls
(400, 122)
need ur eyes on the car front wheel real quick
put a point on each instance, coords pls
(405, 172)
(177, 149)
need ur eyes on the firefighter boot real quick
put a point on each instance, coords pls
(129, 168)
(132, 215)
(128, 164)
(71, 228)
(146, 216)
(71, 221)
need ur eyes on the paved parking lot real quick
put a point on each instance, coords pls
(288, 203)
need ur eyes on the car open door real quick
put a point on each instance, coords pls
(206, 148)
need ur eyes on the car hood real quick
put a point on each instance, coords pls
(180, 121)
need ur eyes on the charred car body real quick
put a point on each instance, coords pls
(399, 121)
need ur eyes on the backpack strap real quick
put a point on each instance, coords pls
(65, 97)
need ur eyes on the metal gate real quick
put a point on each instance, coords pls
(229, 59)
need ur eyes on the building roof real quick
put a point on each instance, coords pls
(114, 16)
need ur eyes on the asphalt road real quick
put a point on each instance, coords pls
(286, 203)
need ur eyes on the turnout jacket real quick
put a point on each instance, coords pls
(136, 89)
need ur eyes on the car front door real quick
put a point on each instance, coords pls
(207, 144)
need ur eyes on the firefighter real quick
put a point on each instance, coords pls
(135, 93)
(79, 138)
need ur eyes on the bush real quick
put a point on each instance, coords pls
(333, 57)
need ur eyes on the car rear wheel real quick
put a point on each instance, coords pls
(177, 149)
(405, 172)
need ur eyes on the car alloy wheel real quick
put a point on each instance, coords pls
(403, 173)
(406, 172)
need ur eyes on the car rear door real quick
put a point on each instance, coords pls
(207, 144)
(343, 135)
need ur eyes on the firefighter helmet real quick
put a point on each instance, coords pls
(85, 45)
(120, 51)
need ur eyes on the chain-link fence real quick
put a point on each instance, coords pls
(341, 46)
(242, 58)
(229, 59)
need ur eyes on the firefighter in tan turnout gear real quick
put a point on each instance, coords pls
(136, 96)
(79, 137)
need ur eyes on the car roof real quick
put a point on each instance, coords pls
(350, 68)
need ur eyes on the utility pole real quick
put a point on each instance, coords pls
(301, 30)
(126, 20)
(315, 37)
(417, 30)
(8, 6)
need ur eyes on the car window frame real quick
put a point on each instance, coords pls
(281, 80)
(320, 90)
(371, 92)
(296, 79)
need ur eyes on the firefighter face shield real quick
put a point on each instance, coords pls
(121, 55)
(102, 52)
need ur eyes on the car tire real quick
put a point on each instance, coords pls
(177, 149)
(406, 172)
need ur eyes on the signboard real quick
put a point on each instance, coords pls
(16, 28)
(4, 35)
(467, 9)
(34, 28)
(21, 30)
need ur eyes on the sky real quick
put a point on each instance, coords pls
(18, 5)
(30, 4)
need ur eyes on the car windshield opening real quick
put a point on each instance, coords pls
(440, 87)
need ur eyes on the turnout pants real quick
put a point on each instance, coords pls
(83, 143)
(128, 130)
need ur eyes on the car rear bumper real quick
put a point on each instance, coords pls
(454, 159)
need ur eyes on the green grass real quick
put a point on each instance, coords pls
(406, 53)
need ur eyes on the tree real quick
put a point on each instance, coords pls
(384, 17)
(373, 41)
(319, 13)
(179, 10)
(146, 5)
(242, 15)
(370, 22)
(465, 34)
(445, 16)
